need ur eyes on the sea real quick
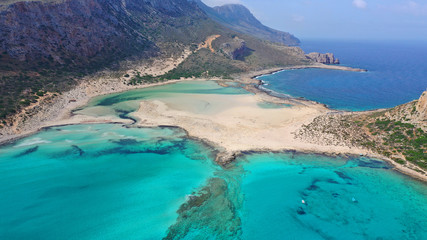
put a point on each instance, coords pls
(115, 181)
(397, 74)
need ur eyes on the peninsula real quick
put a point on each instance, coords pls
(216, 48)
(170, 119)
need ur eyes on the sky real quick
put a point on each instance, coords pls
(341, 19)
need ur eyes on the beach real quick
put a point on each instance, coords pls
(233, 123)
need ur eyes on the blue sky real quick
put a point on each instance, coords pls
(342, 19)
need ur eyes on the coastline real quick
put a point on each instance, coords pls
(224, 155)
(314, 65)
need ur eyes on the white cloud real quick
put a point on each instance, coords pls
(214, 3)
(360, 3)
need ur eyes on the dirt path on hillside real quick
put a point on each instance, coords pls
(208, 42)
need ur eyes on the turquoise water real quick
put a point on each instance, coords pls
(397, 74)
(98, 182)
(345, 199)
(269, 105)
(110, 181)
(260, 197)
(180, 94)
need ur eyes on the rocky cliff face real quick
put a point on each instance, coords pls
(421, 107)
(325, 58)
(414, 112)
(240, 19)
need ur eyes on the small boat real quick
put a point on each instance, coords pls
(302, 201)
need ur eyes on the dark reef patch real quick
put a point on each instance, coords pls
(301, 211)
(74, 151)
(330, 180)
(212, 212)
(371, 163)
(312, 187)
(125, 141)
(28, 151)
(343, 175)
(122, 150)
(77, 151)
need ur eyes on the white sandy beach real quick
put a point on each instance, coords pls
(231, 123)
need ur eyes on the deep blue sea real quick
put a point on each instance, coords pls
(397, 73)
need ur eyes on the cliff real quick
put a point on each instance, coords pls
(325, 58)
(238, 18)
(421, 107)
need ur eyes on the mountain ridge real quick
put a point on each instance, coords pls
(240, 19)
(50, 45)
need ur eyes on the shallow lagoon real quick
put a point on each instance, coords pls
(181, 95)
(108, 181)
(98, 182)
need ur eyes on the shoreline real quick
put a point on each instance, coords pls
(224, 156)
(315, 65)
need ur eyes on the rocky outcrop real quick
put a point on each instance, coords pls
(240, 19)
(414, 112)
(235, 49)
(421, 107)
(325, 58)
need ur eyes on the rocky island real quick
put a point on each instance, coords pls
(325, 58)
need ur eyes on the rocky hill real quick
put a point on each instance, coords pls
(47, 46)
(235, 49)
(240, 19)
(399, 133)
(81, 32)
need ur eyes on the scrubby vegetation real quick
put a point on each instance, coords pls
(400, 139)
(200, 64)
(18, 91)
(204, 63)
